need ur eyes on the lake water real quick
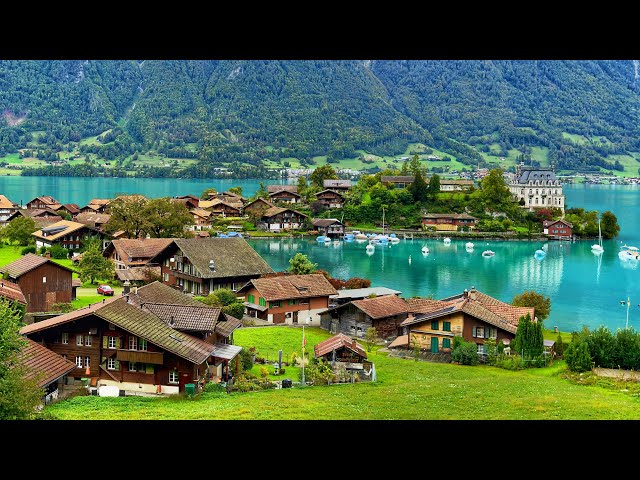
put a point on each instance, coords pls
(584, 289)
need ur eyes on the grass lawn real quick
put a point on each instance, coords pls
(87, 295)
(405, 389)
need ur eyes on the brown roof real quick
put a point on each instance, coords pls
(158, 292)
(425, 305)
(399, 341)
(43, 364)
(339, 341)
(99, 201)
(548, 223)
(509, 312)
(137, 252)
(397, 178)
(225, 328)
(272, 211)
(68, 225)
(71, 208)
(91, 218)
(332, 191)
(445, 181)
(201, 212)
(27, 263)
(137, 274)
(201, 318)
(285, 193)
(325, 222)
(76, 282)
(47, 200)
(232, 257)
(381, 307)
(217, 202)
(280, 188)
(336, 183)
(260, 200)
(36, 212)
(12, 291)
(292, 286)
(6, 203)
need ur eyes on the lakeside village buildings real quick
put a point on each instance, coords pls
(157, 339)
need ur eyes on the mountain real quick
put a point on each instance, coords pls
(581, 114)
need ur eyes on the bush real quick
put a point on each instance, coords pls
(58, 252)
(465, 353)
(42, 250)
(29, 249)
(212, 387)
(62, 307)
(246, 359)
(247, 382)
(511, 362)
(264, 373)
(577, 356)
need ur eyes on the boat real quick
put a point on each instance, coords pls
(488, 253)
(447, 241)
(629, 252)
(360, 236)
(336, 242)
(425, 250)
(394, 239)
(539, 254)
(468, 245)
(323, 238)
(597, 247)
(370, 249)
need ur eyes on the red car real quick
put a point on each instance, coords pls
(105, 290)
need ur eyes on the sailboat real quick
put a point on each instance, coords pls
(597, 247)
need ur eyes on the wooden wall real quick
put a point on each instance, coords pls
(42, 295)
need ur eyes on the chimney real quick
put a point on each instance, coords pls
(127, 287)
(465, 294)
(135, 289)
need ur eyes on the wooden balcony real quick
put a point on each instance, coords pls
(140, 356)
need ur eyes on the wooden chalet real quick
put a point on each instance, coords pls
(330, 199)
(398, 181)
(131, 258)
(558, 229)
(96, 205)
(67, 234)
(331, 227)
(384, 313)
(343, 352)
(290, 299)
(228, 197)
(222, 208)
(201, 218)
(449, 221)
(276, 219)
(257, 207)
(151, 340)
(189, 201)
(472, 315)
(346, 295)
(42, 281)
(71, 209)
(283, 193)
(42, 217)
(47, 368)
(201, 265)
(7, 207)
(43, 202)
(93, 220)
(340, 186)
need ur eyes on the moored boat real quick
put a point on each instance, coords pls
(488, 253)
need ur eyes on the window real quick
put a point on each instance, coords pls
(142, 344)
(79, 340)
(434, 325)
(251, 298)
(132, 367)
(133, 343)
(111, 326)
(111, 363)
(112, 342)
(478, 332)
(173, 376)
(446, 343)
(480, 348)
(165, 277)
(87, 362)
(44, 279)
(275, 304)
(79, 361)
(65, 337)
(88, 341)
(446, 326)
(262, 302)
(293, 301)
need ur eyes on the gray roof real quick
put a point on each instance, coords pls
(336, 183)
(225, 351)
(365, 292)
(531, 175)
(325, 222)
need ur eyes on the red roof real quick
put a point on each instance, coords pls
(12, 291)
(381, 307)
(43, 364)
(336, 342)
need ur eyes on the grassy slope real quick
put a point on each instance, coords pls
(405, 390)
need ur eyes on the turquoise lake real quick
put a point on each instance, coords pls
(584, 289)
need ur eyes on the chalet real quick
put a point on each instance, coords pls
(278, 188)
(330, 199)
(537, 187)
(93, 220)
(222, 208)
(384, 313)
(343, 352)
(276, 219)
(331, 227)
(189, 201)
(285, 196)
(44, 202)
(131, 258)
(472, 315)
(558, 229)
(201, 218)
(447, 185)
(340, 186)
(290, 299)
(151, 340)
(96, 205)
(42, 217)
(346, 295)
(47, 368)
(201, 265)
(257, 207)
(449, 221)
(67, 234)
(7, 207)
(228, 197)
(42, 281)
(70, 209)
(398, 181)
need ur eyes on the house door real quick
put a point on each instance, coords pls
(184, 378)
(434, 344)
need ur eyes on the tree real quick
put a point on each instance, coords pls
(93, 266)
(166, 218)
(529, 340)
(494, 193)
(205, 193)
(320, 174)
(128, 214)
(236, 190)
(419, 188)
(415, 167)
(577, 355)
(434, 186)
(227, 300)
(559, 346)
(370, 338)
(530, 298)
(262, 192)
(20, 229)
(19, 396)
(301, 265)
(609, 225)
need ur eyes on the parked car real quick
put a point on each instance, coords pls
(105, 290)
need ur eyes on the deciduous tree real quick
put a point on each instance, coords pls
(128, 214)
(530, 298)
(93, 266)
(301, 265)
(166, 218)
(320, 174)
(19, 230)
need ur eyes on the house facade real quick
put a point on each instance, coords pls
(222, 208)
(285, 196)
(455, 185)
(291, 299)
(537, 188)
(201, 265)
(276, 219)
(331, 227)
(558, 229)
(7, 208)
(330, 199)
(67, 234)
(43, 202)
(96, 205)
(449, 221)
(42, 281)
(340, 186)
(257, 207)
(201, 219)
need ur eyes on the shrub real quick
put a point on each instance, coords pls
(58, 252)
(42, 250)
(512, 362)
(577, 356)
(212, 387)
(29, 249)
(246, 359)
(264, 373)
(465, 353)
(62, 307)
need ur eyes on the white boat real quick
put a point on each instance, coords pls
(468, 245)
(394, 239)
(447, 241)
(629, 253)
(597, 247)
(488, 253)
(360, 236)
(370, 249)
(539, 254)
(425, 250)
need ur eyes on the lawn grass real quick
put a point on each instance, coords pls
(406, 389)
(87, 295)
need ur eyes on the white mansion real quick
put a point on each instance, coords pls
(538, 187)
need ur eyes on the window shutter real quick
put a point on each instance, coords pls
(103, 360)
(486, 332)
(149, 368)
(474, 331)
(117, 342)
(105, 342)
(117, 364)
